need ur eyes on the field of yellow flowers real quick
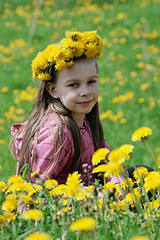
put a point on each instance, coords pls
(47, 210)
(129, 71)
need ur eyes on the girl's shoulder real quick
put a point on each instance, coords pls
(49, 127)
(50, 122)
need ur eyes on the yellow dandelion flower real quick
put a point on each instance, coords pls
(33, 214)
(141, 100)
(121, 205)
(80, 50)
(39, 63)
(153, 207)
(90, 189)
(39, 236)
(14, 179)
(156, 203)
(139, 56)
(112, 188)
(72, 48)
(152, 181)
(60, 190)
(10, 216)
(69, 53)
(69, 42)
(133, 74)
(126, 183)
(140, 238)
(91, 50)
(21, 187)
(140, 65)
(123, 184)
(50, 184)
(140, 173)
(80, 195)
(44, 76)
(121, 154)
(144, 86)
(100, 99)
(83, 224)
(35, 173)
(2, 221)
(84, 193)
(38, 187)
(101, 168)
(29, 189)
(2, 141)
(98, 204)
(64, 210)
(11, 197)
(61, 64)
(113, 169)
(99, 155)
(2, 121)
(4, 89)
(2, 186)
(73, 35)
(106, 114)
(137, 193)
(130, 199)
(16, 187)
(64, 202)
(121, 16)
(73, 183)
(9, 205)
(56, 54)
(26, 199)
(141, 134)
(48, 50)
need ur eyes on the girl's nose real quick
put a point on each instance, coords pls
(85, 91)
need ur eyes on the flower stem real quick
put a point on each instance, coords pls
(150, 150)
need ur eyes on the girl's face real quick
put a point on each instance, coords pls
(77, 88)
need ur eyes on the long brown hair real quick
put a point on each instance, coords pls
(43, 106)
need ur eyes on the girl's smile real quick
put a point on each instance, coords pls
(77, 88)
(85, 103)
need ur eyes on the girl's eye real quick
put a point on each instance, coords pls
(92, 81)
(73, 85)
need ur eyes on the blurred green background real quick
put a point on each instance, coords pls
(129, 68)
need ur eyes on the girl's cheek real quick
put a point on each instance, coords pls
(71, 94)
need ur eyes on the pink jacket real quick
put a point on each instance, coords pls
(46, 146)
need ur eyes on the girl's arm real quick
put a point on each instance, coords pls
(51, 160)
(46, 151)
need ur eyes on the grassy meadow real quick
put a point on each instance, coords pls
(129, 71)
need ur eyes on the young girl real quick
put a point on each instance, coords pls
(63, 130)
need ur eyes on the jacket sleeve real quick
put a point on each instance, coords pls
(45, 151)
(49, 159)
(105, 145)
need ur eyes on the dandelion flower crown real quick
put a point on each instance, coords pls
(62, 55)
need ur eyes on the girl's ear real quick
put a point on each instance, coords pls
(50, 87)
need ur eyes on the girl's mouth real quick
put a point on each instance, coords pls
(85, 103)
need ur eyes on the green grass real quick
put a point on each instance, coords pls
(140, 18)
